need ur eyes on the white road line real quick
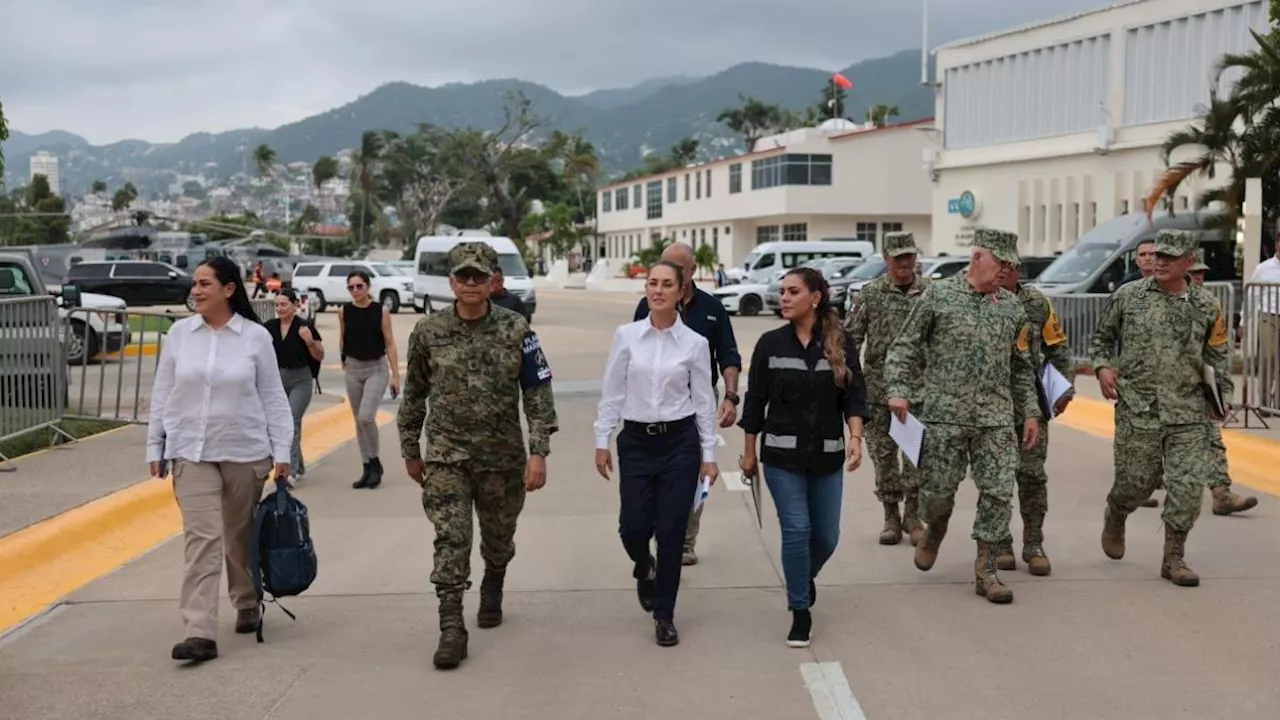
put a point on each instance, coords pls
(832, 697)
(733, 481)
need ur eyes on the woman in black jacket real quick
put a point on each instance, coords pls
(804, 388)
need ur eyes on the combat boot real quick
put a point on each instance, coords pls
(363, 481)
(927, 550)
(1174, 568)
(453, 636)
(911, 520)
(985, 581)
(1113, 533)
(892, 532)
(1033, 545)
(1004, 555)
(1226, 502)
(490, 613)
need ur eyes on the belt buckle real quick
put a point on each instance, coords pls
(661, 429)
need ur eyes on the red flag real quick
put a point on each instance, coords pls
(842, 81)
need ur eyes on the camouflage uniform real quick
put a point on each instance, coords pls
(879, 313)
(475, 372)
(1162, 419)
(1048, 347)
(979, 374)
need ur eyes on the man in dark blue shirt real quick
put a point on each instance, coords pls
(704, 314)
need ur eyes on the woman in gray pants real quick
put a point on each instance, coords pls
(368, 356)
(298, 348)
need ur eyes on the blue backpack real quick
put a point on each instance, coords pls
(284, 559)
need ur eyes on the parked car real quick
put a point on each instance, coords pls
(137, 282)
(101, 326)
(326, 283)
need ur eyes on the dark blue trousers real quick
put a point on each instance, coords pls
(658, 476)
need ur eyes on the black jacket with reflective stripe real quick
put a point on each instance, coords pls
(793, 403)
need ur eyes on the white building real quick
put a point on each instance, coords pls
(42, 163)
(1050, 129)
(807, 184)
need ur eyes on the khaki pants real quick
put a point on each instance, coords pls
(1268, 369)
(218, 501)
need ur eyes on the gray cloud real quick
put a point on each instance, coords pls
(160, 69)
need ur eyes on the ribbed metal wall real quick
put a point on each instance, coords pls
(1169, 65)
(1041, 93)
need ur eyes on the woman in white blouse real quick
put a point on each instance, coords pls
(658, 384)
(220, 416)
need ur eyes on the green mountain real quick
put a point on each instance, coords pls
(625, 124)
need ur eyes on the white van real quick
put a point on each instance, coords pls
(770, 257)
(431, 281)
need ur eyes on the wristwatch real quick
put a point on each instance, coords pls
(732, 397)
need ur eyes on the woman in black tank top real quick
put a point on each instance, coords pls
(369, 359)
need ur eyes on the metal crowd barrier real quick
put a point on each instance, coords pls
(1260, 327)
(33, 369)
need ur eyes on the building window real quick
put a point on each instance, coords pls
(866, 231)
(715, 241)
(620, 199)
(790, 170)
(887, 228)
(735, 178)
(766, 233)
(653, 209)
(672, 190)
(708, 183)
(697, 185)
(636, 197)
(797, 232)
(686, 187)
(702, 236)
(606, 201)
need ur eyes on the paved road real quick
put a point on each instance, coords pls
(1098, 639)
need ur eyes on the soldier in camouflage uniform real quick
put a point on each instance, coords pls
(1048, 345)
(978, 376)
(1169, 329)
(475, 361)
(1225, 502)
(878, 314)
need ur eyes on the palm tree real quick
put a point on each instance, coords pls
(324, 170)
(264, 159)
(879, 115)
(372, 144)
(752, 120)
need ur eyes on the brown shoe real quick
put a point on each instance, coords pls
(1033, 545)
(927, 550)
(892, 532)
(985, 580)
(1004, 556)
(195, 650)
(1113, 533)
(247, 620)
(1226, 502)
(911, 520)
(1174, 568)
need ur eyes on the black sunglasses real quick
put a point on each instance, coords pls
(474, 277)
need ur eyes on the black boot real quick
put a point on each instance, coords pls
(453, 636)
(363, 482)
(490, 613)
(801, 625)
(375, 473)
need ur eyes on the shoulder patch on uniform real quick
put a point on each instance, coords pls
(1024, 344)
(534, 368)
(1053, 332)
(1219, 335)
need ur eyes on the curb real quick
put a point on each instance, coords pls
(42, 563)
(135, 350)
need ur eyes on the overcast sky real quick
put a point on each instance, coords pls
(161, 69)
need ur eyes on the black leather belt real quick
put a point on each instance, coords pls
(658, 428)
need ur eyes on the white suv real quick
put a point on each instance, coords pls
(326, 283)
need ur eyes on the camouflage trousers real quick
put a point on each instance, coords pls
(448, 496)
(896, 478)
(1184, 454)
(950, 450)
(1219, 476)
(1031, 479)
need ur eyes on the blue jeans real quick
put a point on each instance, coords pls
(809, 514)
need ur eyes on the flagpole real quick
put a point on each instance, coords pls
(924, 44)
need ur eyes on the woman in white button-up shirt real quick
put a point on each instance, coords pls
(658, 383)
(220, 415)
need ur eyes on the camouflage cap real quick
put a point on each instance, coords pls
(1002, 244)
(474, 256)
(900, 243)
(1175, 243)
(1200, 265)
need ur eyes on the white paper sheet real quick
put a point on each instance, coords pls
(1055, 386)
(704, 490)
(909, 436)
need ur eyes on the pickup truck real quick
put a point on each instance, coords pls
(101, 326)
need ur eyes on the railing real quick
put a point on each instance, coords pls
(33, 377)
(1260, 327)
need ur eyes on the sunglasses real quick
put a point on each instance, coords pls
(471, 277)
(357, 286)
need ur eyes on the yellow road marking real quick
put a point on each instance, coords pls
(44, 562)
(143, 350)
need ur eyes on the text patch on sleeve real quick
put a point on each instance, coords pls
(534, 369)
